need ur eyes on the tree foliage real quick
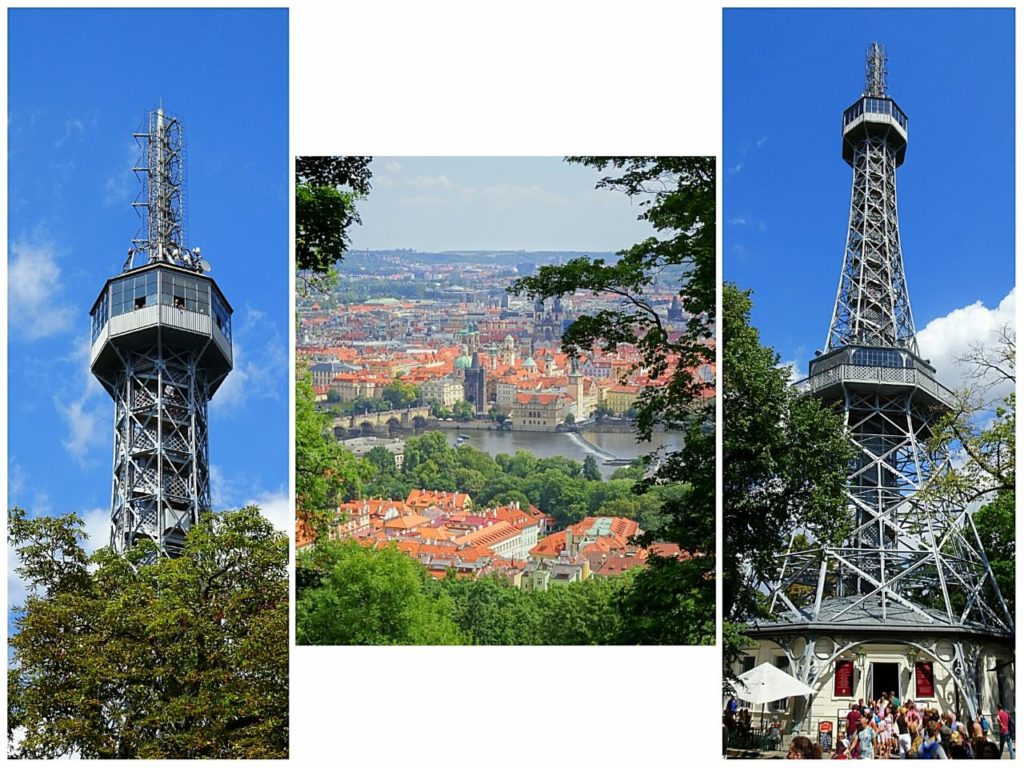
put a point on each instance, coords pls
(370, 597)
(325, 473)
(326, 190)
(784, 460)
(145, 657)
(981, 427)
(996, 526)
(381, 597)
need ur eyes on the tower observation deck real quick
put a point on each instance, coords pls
(161, 346)
(912, 570)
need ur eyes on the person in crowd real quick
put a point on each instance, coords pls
(886, 737)
(931, 747)
(902, 729)
(802, 748)
(864, 740)
(853, 718)
(1006, 731)
(842, 751)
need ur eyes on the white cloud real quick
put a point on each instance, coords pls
(34, 291)
(947, 338)
(16, 479)
(277, 507)
(97, 526)
(85, 422)
(393, 167)
(430, 182)
(794, 369)
(738, 221)
(73, 127)
(736, 169)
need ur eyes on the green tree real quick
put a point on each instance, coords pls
(463, 411)
(370, 597)
(325, 473)
(995, 523)
(491, 612)
(602, 411)
(980, 427)
(520, 464)
(381, 459)
(400, 394)
(784, 462)
(590, 469)
(557, 494)
(326, 190)
(570, 419)
(430, 447)
(145, 657)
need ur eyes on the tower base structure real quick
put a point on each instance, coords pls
(968, 673)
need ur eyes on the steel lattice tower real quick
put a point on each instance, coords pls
(161, 346)
(913, 568)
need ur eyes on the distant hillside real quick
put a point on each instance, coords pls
(356, 259)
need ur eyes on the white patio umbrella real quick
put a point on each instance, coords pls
(767, 682)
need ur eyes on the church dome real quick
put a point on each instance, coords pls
(463, 362)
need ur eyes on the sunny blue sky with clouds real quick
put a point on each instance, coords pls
(493, 203)
(787, 77)
(80, 83)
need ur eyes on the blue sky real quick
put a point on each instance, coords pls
(787, 77)
(80, 83)
(498, 203)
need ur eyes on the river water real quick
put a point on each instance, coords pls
(601, 445)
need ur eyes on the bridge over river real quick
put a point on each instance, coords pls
(382, 423)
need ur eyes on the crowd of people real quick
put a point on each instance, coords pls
(888, 728)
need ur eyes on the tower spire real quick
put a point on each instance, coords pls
(874, 71)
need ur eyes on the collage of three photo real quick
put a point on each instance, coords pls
(273, 404)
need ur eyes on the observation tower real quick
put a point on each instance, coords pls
(907, 602)
(161, 346)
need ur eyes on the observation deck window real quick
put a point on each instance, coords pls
(876, 106)
(100, 314)
(222, 316)
(185, 292)
(131, 293)
(880, 358)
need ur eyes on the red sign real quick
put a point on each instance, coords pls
(844, 678)
(825, 735)
(924, 680)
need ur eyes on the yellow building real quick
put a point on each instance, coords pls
(621, 398)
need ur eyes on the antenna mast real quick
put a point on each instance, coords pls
(161, 201)
(874, 71)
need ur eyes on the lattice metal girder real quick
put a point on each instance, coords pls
(161, 475)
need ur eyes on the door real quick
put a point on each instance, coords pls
(884, 678)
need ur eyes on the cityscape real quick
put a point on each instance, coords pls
(416, 342)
